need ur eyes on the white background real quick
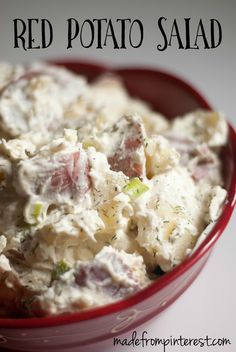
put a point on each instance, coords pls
(209, 305)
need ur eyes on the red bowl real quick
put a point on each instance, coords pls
(171, 96)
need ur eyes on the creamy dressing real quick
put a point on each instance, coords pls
(98, 192)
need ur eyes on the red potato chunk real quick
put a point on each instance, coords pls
(70, 175)
(97, 275)
(103, 281)
(203, 163)
(185, 147)
(128, 155)
(23, 105)
(35, 101)
(198, 158)
(115, 274)
(202, 171)
(63, 174)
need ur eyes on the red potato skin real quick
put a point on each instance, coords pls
(68, 177)
(102, 278)
(202, 170)
(62, 178)
(66, 174)
(126, 165)
(124, 158)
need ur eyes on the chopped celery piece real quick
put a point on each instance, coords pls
(135, 188)
(60, 268)
(37, 210)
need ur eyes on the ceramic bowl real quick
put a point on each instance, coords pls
(171, 96)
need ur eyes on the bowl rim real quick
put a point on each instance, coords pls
(205, 246)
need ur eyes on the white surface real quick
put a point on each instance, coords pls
(209, 305)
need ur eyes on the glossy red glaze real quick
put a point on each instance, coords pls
(171, 96)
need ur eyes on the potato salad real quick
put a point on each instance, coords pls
(99, 194)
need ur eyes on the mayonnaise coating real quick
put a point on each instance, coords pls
(98, 191)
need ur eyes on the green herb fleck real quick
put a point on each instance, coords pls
(60, 268)
(178, 209)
